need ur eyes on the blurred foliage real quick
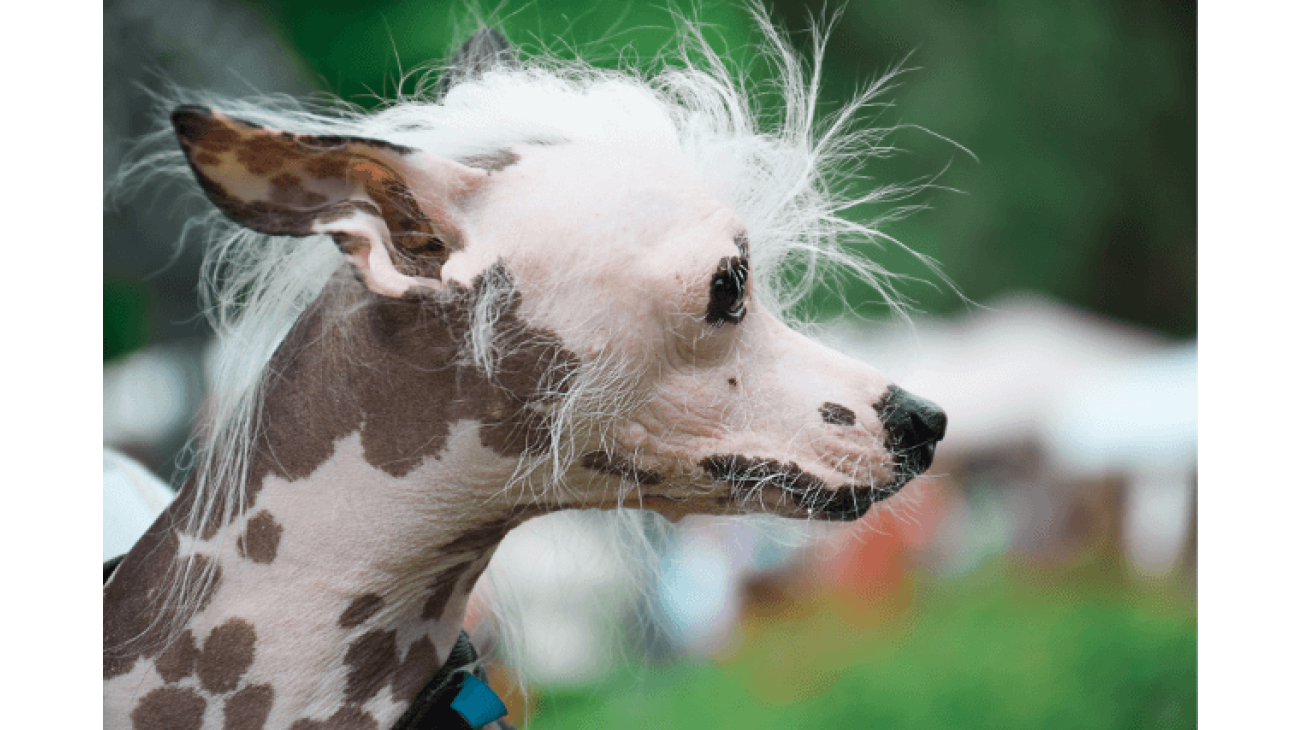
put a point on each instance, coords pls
(126, 316)
(989, 651)
(1081, 115)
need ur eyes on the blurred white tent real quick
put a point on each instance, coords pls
(1001, 371)
(1093, 397)
(133, 499)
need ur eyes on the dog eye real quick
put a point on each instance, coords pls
(727, 296)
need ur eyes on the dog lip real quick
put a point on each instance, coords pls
(812, 495)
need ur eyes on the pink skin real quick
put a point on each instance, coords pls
(615, 250)
(635, 279)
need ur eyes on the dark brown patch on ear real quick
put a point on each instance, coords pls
(419, 666)
(261, 538)
(177, 662)
(196, 126)
(392, 369)
(360, 609)
(492, 161)
(837, 415)
(169, 708)
(370, 660)
(618, 466)
(227, 654)
(332, 167)
(263, 154)
(286, 181)
(283, 159)
(248, 708)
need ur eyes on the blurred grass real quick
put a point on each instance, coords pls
(986, 651)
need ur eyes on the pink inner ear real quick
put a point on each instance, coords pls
(363, 239)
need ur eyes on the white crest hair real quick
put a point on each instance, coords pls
(783, 169)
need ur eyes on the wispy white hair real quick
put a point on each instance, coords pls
(761, 147)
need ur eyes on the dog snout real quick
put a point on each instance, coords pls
(914, 425)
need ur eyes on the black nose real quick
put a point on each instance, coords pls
(914, 425)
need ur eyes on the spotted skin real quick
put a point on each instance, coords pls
(835, 414)
(336, 585)
(360, 610)
(261, 538)
(248, 708)
(385, 667)
(169, 708)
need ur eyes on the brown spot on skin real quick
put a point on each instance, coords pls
(261, 538)
(837, 415)
(324, 388)
(360, 609)
(248, 708)
(130, 599)
(492, 161)
(370, 660)
(416, 670)
(133, 626)
(347, 718)
(202, 564)
(227, 654)
(177, 662)
(443, 589)
(731, 382)
(618, 466)
(169, 708)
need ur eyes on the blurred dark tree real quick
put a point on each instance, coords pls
(1083, 118)
(1081, 115)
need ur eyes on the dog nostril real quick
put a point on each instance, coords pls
(930, 425)
(911, 421)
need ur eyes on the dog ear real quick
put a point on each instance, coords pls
(392, 210)
(485, 49)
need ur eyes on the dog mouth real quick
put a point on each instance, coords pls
(804, 494)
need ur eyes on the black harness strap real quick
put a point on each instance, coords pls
(453, 690)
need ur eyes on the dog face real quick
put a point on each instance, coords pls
(628, 258)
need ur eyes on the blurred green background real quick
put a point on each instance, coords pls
(1081, 118)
